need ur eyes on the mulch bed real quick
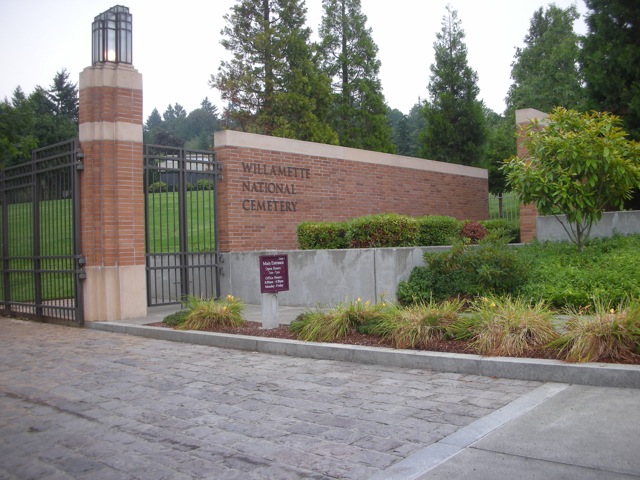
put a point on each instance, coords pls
(354, 338)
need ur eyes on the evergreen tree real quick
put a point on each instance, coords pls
(545, 72)
(398, 123)
(43, 118)
(64, 96)
(416, 124)
(200, 125)
(350, 60)
(16, 129)
(151, 126)
(611, 59)
(273, 83)
(455, 123)
(500, 145)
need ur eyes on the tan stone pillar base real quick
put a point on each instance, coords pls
(115, 293)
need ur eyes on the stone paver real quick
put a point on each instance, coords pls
(79, 403)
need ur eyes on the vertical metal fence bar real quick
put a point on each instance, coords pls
(35, 217)
(183, 226)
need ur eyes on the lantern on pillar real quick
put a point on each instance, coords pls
(111, 40)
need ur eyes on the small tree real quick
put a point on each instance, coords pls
(577, 164)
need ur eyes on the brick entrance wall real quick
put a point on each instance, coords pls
(270, 185)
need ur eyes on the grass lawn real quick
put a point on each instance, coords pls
(164, 227)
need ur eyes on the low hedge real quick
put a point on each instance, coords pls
(391, 230)
(386, 230)
(437, 230)
(323, 235)
(504, 228)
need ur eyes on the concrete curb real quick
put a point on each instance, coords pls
(593, 374)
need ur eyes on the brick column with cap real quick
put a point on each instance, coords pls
(112, 195)
(529, 212)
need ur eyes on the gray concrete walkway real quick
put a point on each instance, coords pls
(82, 403)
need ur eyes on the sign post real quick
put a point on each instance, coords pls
(274, 278)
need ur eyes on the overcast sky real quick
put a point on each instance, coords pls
(176, 45)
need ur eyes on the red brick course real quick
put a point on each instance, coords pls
(110, 104)
(327, 189)
(112, 220)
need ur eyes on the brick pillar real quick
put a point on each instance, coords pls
(111, 191)
(529, 212)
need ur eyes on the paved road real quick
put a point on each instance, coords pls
(79, 403)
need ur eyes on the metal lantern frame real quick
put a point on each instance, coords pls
(111, 39)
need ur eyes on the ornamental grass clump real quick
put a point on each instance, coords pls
(609, 333)
(419, 325)
(203, 314)
(328, 325)
(508, 326)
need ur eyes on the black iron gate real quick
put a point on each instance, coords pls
(182, 256)
(41, 265)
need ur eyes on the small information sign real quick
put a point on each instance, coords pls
(274, 273)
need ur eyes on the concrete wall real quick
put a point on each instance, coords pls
(624, 223)
(326, 277)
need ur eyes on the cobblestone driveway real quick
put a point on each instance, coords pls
(79, 403)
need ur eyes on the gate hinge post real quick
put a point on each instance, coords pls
(82, 275)
(80, 158)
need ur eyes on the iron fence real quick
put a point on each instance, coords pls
(182, 254)
(41, 265)
(505, 205)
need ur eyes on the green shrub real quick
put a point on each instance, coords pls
(384, 230)
(440, 279)
(322, 235)
(202, 184)
(465, 270)
(502, 228)
(437, 230)
(494, 267)
(158, 187)
(175, 319)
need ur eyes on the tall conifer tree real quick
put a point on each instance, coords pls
(273, 84)
(545, 72)
(454, 118)
(350, 59)
(611, 59)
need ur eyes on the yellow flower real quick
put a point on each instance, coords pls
(230, 298)
(224, 309)
(492, 305)
(359, 300)
(613, 310)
